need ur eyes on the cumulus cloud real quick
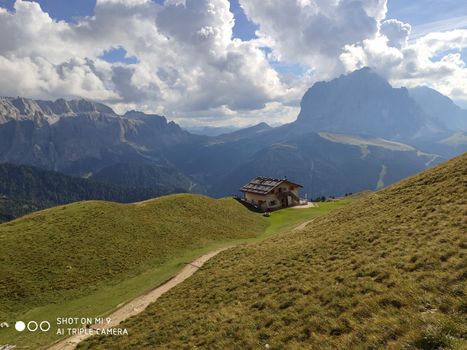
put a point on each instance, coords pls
(314, 32)
(187, 59)
(38, 78)
(188, 65)
(396, 32)
(428, 60)
(332, 37)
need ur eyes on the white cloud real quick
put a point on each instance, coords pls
(452, 23)
(189, 66)
(313, 32)
(396, 32)
(273, 113)
(424, 61)
(38, 78)
(123, 2)
(188, 63)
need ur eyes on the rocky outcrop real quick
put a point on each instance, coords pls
(440, 107)
(363, 103)
(47, 112)
(80, 136)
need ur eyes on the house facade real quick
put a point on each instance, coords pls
(268, 193)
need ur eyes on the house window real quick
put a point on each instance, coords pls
(272, 203)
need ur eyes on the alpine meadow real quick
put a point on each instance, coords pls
(233, 174)
(386, 271)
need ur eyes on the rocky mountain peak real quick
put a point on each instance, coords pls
(361, 102)
(48, 112)
(441, 108)
(87, 106)
(141, 115)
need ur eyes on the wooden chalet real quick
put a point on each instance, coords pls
(267, 193)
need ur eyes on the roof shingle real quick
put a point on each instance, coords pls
(263, 185)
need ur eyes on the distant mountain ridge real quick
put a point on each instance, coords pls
(440, 107)
(353, 133)
(210, 130)
(81, 137)
(47, 111)
(326, 166)
(146, 175)
(363, 102)
(251, 131)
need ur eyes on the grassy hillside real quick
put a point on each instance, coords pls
(24, 189)
(58, 252)
(387, 271)
(67, 252)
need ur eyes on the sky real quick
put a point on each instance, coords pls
(225, 62)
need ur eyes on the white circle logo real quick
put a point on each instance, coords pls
(20, 326)
(32, 326)
(44, 326)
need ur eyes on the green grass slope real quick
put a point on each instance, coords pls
(65, 252)
(387, 271)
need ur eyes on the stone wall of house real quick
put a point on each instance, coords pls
(270, 200)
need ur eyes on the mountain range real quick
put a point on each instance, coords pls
(440, 107)
(362, 103)
(353, 133)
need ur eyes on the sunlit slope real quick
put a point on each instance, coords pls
(385, 272)
(64, 252)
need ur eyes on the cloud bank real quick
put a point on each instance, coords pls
(187, 65)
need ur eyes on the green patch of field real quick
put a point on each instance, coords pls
(387, 271)
(87, 258)
(286, 219)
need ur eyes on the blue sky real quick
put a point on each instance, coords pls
(61, 9)
(417, 12)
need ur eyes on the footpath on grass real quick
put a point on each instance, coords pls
(136, 305)
(280, 221)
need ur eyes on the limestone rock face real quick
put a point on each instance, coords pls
(440, 108)
(80, 136)
(363, 103)
(47, 112)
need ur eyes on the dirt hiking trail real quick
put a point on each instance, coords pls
(138, 304)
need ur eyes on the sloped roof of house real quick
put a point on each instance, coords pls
(264, 185)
